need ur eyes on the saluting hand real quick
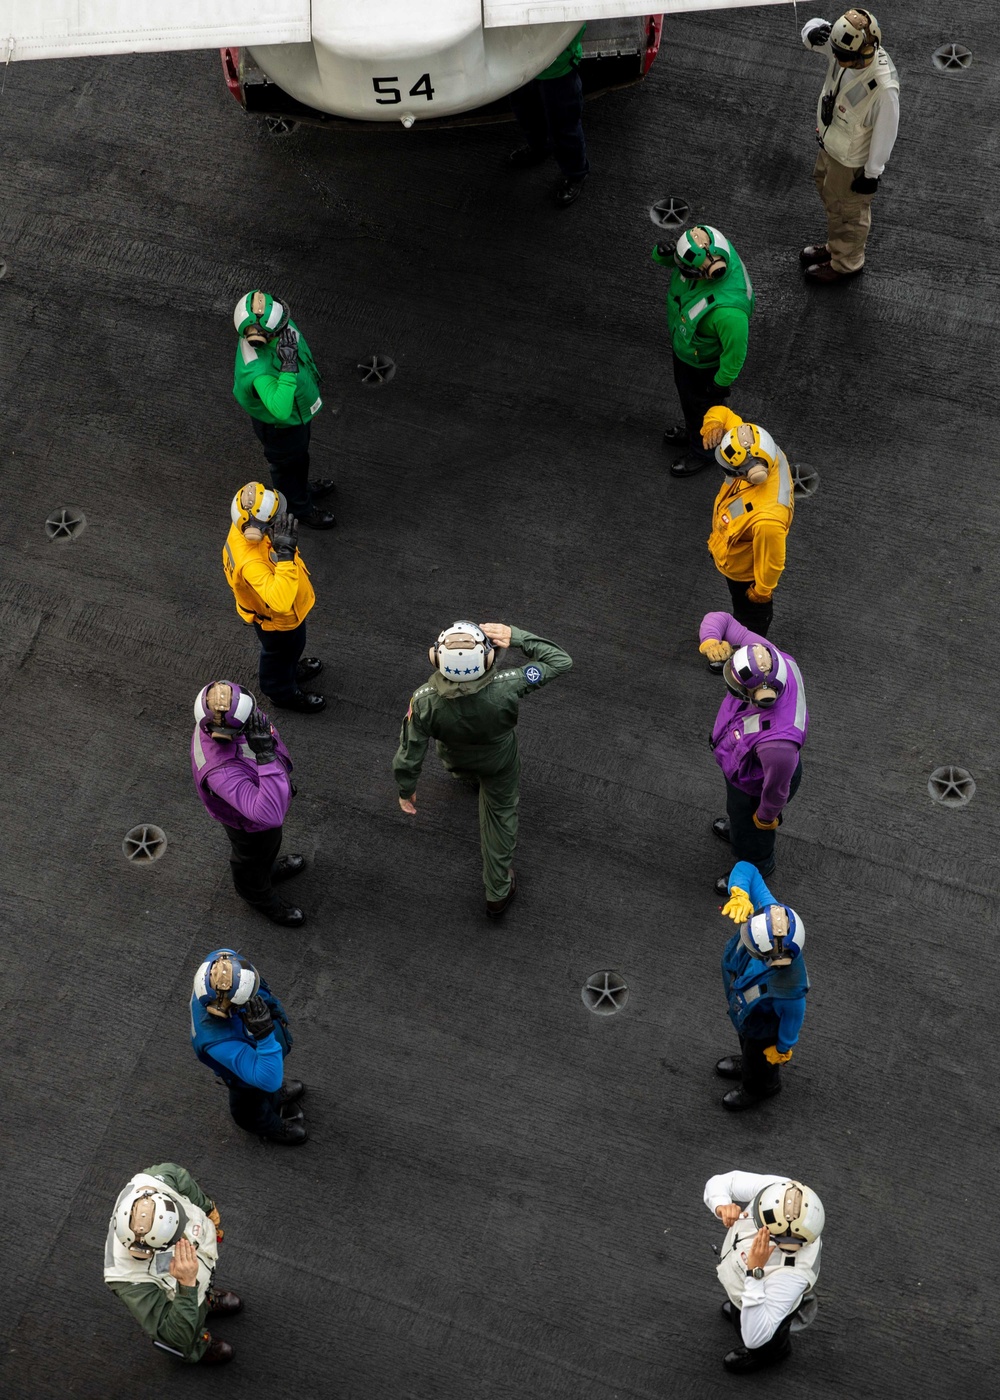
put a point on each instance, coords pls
(761, 1249)
(409, 804)
(711, 437)
(728, 1214)
(184, 1264)
(498, 633)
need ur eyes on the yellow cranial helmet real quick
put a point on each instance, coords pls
(255, 504)
(745, 448)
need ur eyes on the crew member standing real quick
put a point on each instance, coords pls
(758, 734)
(240, 1031)
(273, 593)
(769, 1262)
(709, 304)
(549, 111)
(471, 709)
(159, 1259)
(765, 981)
(751, 516)
(857, 117)
(277, 382)
(241, 772)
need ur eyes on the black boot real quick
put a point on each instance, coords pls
(731, 1067)
(292, 1134)
(495, 907)
(299, 700)
(738, 1099)
(286, 868)
(742, 1359)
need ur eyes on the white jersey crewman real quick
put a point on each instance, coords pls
(857, 117)
(769, 1261)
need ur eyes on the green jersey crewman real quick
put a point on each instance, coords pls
(709, 304)
(470, 708)
(276, 382)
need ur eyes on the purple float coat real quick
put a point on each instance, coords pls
(234, 789)
(756, 748)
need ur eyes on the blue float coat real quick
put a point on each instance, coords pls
(229, 1049)
(777, 1019)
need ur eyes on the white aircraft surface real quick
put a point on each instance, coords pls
(365, 61)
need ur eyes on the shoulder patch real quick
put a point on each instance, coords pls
(532, 674)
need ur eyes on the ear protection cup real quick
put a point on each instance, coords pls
(716, 268)
(765, 698)
(757, 473)
(432, 652)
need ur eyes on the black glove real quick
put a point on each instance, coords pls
(665, 252)
(284, 537)
(818, 36)
(259, 737)
(861, 184)
(257, 1018)
(288, 351)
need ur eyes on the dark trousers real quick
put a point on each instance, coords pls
(759, 1077)
(254, 1110)
(756, 616)
(549, 111)
(253, 856)
(287, 451)
(698, 392)
(279, 657)
(748, 841)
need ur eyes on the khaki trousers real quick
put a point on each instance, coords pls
(848, 215)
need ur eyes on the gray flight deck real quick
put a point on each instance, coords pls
(501, 1198)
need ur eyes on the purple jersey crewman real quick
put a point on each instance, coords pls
(241, 772)
(758, 733)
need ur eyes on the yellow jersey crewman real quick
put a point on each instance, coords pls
(751, 516)
(273, 593)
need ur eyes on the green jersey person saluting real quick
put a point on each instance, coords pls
(470, 707)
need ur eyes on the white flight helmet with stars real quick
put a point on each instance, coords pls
(463, 652)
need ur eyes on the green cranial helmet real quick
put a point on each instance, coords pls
(703, 251)
(260, 316)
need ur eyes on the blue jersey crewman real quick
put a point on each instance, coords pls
(765, 981)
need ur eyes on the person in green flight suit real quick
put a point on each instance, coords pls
(709, 304)
(470, 707)
(276, 381)
(549, 111)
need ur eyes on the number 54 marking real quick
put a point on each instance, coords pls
(388, 96)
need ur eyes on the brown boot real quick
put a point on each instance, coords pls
(221, 1300)
(218, 1353)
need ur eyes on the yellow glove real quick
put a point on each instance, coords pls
(755, 596)
(716, 651)
(216, 1220)
(766, 826)
(716, 423)
(773, 1055)
(739, 906)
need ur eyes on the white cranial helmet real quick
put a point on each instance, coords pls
(855, 37)
(793, 1214)
(148, 1220)
(463, 652)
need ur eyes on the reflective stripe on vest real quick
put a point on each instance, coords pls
(846, 137)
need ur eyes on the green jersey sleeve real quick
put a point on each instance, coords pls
(546, 661)
(176, 1320)
(409, 759)
(276, 393)
(733, 330)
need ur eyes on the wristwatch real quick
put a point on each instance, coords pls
(755, 1273)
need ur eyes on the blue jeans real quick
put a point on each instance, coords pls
(287, 451)
(279, 656)
(550, 113)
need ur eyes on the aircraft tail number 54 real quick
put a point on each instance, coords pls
(386, 96)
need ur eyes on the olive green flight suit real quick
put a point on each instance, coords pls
(474, 723)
